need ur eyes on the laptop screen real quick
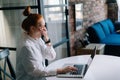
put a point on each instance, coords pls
(91, 57)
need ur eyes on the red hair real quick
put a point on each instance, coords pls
(31, 19)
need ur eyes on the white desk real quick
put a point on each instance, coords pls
(102, 68)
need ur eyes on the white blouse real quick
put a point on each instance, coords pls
(30, 59)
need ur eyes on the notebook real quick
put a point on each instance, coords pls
(82, 68)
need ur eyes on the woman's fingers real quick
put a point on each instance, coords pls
(44, 31)
(70, 69)
(73, 68)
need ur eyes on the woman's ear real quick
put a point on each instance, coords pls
(32, 29)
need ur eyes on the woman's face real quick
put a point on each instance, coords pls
(39, 27)
(40, 23)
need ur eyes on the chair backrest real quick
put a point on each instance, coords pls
(99, 31)
(4, 55)
(105, 27)
(111, 25)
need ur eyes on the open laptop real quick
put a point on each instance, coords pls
(82, 68)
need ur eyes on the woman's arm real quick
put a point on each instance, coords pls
(47, 50)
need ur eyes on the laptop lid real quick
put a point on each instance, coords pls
(92, 56)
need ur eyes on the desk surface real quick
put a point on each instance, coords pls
(103, 67)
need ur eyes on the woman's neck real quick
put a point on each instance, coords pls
(35, 36)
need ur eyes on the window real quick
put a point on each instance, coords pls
(54, 12)
(78, 16)
(118, 3)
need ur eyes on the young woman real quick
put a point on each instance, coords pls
(32, 50)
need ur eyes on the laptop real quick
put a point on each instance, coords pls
(82, 68)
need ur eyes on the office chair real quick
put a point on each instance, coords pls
(4, 55)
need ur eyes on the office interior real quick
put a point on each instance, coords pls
(66, 22)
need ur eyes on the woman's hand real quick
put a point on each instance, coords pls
(66, 70)
(44, 33)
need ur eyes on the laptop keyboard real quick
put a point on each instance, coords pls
(79, 71)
